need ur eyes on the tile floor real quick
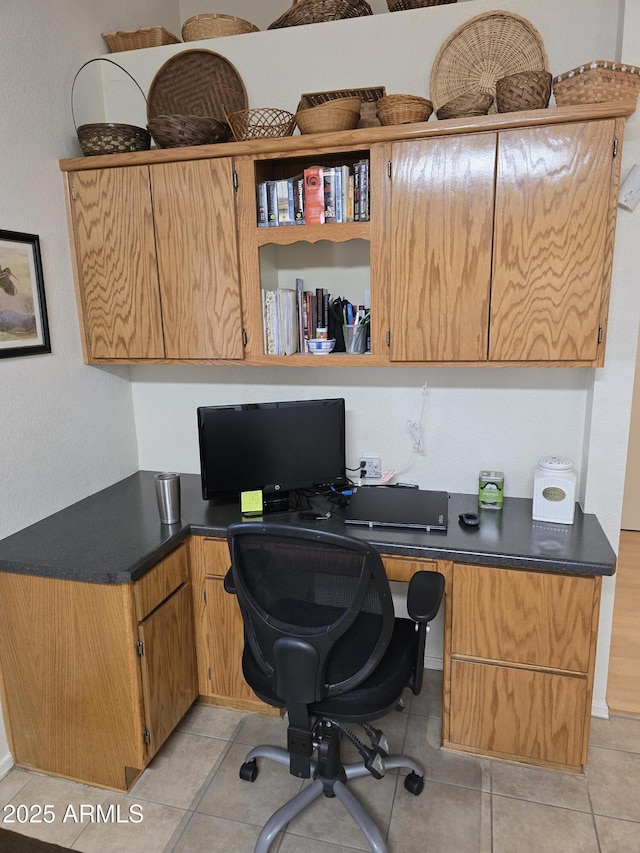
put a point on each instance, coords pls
(192, 800)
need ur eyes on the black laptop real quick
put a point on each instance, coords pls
(413, 509)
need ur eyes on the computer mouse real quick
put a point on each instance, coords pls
(469, 519)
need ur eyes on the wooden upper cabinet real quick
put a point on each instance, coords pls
(111, 216)
(550, 246)
(441, 228)
(197, 246)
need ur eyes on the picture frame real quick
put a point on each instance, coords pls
(24, 326)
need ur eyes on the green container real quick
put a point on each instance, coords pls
(490, 489)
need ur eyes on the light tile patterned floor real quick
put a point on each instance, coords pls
(193, 801)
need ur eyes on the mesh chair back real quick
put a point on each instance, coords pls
(327, 590)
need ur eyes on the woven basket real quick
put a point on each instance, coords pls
(465, 105)
(134, 39)
(215, 26)
(402, 5)
(317, 11)
(176, 131)
(349, 102)
(261, 123)
(403, 109)
(109, 137)
(481, 51)
(368, 97)
(327, 118)
(528, 90)
(597, 82)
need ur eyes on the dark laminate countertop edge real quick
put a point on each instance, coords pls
(115, 536)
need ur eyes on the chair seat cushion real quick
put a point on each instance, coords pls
(372, 699)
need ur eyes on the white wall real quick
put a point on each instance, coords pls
(68, 429)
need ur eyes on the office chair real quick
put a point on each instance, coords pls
(322, 641)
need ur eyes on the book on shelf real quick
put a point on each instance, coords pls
(272, 203)
(339, 196)
(350, 210)
(314, 195)
(280, 322)
(261, 203)
(298, 200)
(329, 178)
(284, 194)
(363, 167)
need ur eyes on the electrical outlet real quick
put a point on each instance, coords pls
(370, 467)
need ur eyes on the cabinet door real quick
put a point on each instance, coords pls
(194, 210)
(552, 208)
(116, 262)
(441, 230)
(169, 679)
(226, 643)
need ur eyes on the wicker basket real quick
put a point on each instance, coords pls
(348, 102)
(215, 26)
(597, 82)
(368, 97)
(109, 137)
(402, 5)
(317, 11)
(261, 123)
(176, 131)
(527, 90)
(467, 104)
(134, 39)
(327, 118)
(403, 109)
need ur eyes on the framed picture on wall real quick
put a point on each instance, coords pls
(24, 329)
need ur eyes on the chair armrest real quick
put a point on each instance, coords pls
(229, 585)
(425, 595)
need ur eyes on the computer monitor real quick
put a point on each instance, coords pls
(274, 447)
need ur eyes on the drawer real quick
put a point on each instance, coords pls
(403, 569)
(160, 581)
(530, 618)
(214, 556)
(518, 713)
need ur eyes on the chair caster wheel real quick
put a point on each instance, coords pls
(249, 771)
(414, 783)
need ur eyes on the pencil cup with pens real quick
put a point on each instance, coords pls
(355, 329)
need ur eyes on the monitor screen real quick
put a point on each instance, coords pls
(276, 447)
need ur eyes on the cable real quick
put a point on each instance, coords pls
(415, 431)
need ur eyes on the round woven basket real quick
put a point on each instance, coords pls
(326, 118)
(261, 123)
(215, 26)
(467, 104)
(176, 131)
(527, 90)
(109, 137)
(403, 109)
(402, 5)
(481, 51)
(317, 11)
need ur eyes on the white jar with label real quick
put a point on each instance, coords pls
(554, 490)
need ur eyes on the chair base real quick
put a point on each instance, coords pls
(330, 787)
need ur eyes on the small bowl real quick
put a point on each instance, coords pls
(320, 346)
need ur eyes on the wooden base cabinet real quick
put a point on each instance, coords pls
(519, 663)
(219, 630)
(79, 699)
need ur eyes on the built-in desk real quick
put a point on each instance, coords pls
(99, 587)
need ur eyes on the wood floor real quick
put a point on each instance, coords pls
(623, 687)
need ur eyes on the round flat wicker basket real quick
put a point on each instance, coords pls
(483, 50)
(215, 26)
(527, 90)
(403, 109)
(465, 105)
(176, 131)
(402, 5)
(261, 123)
(317, 11)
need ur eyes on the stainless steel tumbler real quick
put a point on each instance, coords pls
(168, 495)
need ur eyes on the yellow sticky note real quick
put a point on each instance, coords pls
(251, 502)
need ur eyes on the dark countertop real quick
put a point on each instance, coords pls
(115, 536)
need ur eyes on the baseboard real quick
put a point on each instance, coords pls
(600, 710)
(6, 763)
(432, 662)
